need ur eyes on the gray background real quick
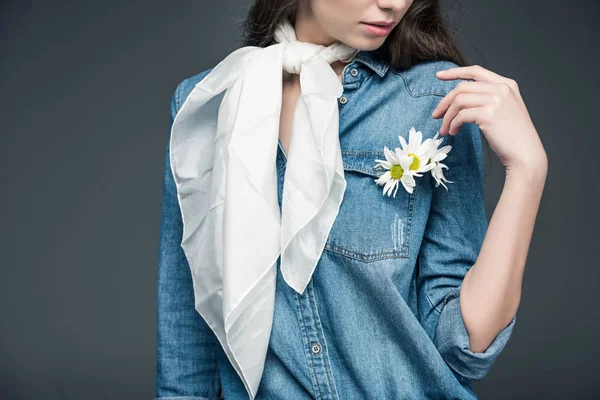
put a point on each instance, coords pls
(84, 114)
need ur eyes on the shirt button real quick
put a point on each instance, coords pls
(316, 349)
(343, 100)
(354, 72)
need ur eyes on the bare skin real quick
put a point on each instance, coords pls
(491, 290)
(309, 28)
(290, 95)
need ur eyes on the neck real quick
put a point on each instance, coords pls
(309, 29)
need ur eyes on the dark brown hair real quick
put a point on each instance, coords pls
(421, 35)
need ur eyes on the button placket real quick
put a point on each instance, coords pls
(318, 358)
(316, 348)
(350, 81)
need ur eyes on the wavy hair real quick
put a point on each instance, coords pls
(421, 35)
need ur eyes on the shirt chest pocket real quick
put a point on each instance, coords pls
(370, 226)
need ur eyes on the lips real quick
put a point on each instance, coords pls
(380, 23)
(378, 30)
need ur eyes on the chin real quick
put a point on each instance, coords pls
(367, 44)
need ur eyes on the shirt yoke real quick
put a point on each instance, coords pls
(420, 79)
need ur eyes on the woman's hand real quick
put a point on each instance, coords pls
(494, 103)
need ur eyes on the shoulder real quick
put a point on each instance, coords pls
(184, 88)
(420, 79)
(423, 92)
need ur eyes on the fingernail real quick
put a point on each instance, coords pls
(440, 72)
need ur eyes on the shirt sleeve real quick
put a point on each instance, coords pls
(186, 346)
(453, 237)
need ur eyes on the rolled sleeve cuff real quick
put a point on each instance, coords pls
(452, 341)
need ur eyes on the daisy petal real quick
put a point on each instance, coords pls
(391, 156)
(407, 187)
(403, 143)
(388, 186)
(396, 189)
(383, 163)
(384, 178)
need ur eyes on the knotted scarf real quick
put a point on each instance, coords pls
(223, 150)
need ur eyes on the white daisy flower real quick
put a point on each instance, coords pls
(414, 158)
(436, 155)
(418, 150)
(398, 166)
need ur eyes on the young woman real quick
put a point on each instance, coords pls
(313, 244)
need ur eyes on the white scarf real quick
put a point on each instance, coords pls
(223, 158)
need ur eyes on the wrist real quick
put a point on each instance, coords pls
(532, 172)
(526, 179)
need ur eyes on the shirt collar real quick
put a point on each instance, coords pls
(374, 60)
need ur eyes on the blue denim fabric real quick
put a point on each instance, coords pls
(380, 318)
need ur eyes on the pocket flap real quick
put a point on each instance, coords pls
(363, 161)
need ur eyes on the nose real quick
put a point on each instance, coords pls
(394, 6)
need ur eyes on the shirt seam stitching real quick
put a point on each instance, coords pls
(308, 365)
(414, 94)
(327, 370)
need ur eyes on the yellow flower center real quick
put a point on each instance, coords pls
(396, 171)
(416, 162)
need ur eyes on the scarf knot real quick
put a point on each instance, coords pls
(296, 53)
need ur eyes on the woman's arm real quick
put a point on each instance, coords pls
(491, 290)
(453, 237)
(186, 346)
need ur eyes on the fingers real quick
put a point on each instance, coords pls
(479, 74)
(484, 80)
(475, 72)
(465, 116)
(462, 87)
(472, 101)
(462, 101)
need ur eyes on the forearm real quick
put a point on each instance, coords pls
(491, 289)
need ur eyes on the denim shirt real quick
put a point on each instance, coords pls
(380, 317)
